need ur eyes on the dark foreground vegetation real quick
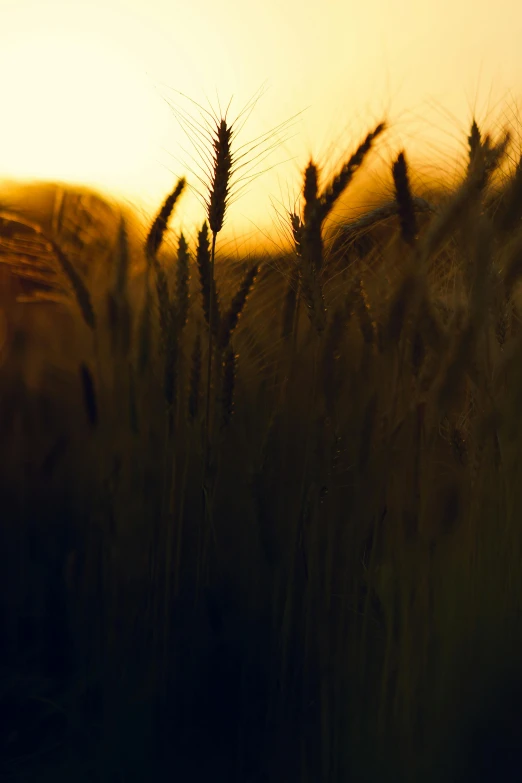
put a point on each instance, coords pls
(261, 518)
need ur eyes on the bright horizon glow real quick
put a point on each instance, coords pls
(85, 84)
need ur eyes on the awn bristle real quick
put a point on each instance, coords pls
(220, 181)
(205, 274)
(403, 196)
(159, 226)
(230, 321)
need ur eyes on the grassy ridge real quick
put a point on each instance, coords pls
(260, 517)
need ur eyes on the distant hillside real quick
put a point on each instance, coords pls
(82, 222)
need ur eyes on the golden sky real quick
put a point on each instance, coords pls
(84, 84)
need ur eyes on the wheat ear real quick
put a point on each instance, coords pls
(468, 194)
(81, 292)
(312, 239)
(230, 321)
(211, 304)
(403, 196)
(474, 143)
(152, 244)
(159, 225)
(341, 181)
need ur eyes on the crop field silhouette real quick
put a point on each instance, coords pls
(261, 515)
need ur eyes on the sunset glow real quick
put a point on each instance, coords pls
(85, 87)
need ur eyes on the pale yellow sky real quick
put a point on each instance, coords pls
(84, 81)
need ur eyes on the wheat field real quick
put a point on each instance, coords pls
(259, 515)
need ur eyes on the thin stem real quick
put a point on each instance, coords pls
(204, 487)
(210, 348)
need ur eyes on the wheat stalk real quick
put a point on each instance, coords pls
(331, 349)
(307, 232)
(171, 355)
(399, 306)
(162, 291)
(89, 395)
(230, 321)
(228, 384)
(288, 320)
(145, 329)
(463, 199)
(310, 286)
(195, 380)
(152, 244)
(509, 214)
(119, 310)
(182, 283)
(216, 208)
